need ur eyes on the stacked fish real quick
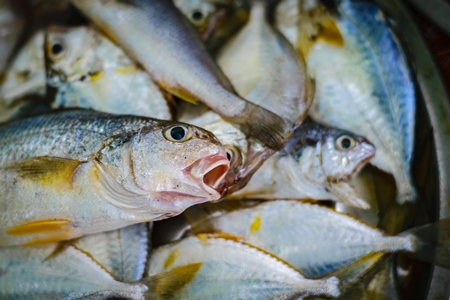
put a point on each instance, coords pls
(285, 101)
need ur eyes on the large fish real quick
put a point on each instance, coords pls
(317, 240)
(211, 267)
(90, 71)
(265, 69)
(157, 35)
(363, 83)
(69, 174)
(316, 163)
(36, 273)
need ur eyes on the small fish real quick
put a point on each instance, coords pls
(69, 174)
(11, 24)
(157, 35)
(90, 71)
(363, 82)
(265, 69)
(33, 273)
(316, 163)
(121, 252)
(219, 267)
(25, 75)
(317, 240)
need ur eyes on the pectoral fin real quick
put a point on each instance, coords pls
(47, 170)
(52, 230)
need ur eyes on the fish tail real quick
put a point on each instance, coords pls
(267, 128)
(431, 243)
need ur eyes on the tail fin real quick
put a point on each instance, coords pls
(431, 243)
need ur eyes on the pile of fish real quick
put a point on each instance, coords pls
(297, 115)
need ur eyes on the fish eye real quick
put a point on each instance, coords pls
(177, 133)
(197, 15)
(345, 142)
(57, 48)
(233, 155)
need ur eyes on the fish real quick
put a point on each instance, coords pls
(25, 75)
(358, 63)
(12, 22)
(68, 174)
(28, 272)
(305, 235)
(91, 72)
(157, 35)
(122, 252)
(317, 163)
(256, 48)
(220, 267)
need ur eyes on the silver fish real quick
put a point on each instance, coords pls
(316, 163)
(222, 268)
(156, 34)
(33, 273)
(317, 240)
(25, 75)
(121, 252)
(257, 48)
(69, 174)
(89, 71)
(363, 83)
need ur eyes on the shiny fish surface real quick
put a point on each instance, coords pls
(357, 63)
(33, 273)
(26, 73)
(90, 71)
(81, 172)
(316, 163)
(218, 268)
(317, 240)
(121, 252)
(265, 69)
(156, 34)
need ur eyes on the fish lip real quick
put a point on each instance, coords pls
(214, 167)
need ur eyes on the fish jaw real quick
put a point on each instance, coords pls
(208, 173)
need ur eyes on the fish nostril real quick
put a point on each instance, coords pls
(215, 175)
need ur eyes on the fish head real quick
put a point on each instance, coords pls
(169, 166)
(344, 154)
(70, 53)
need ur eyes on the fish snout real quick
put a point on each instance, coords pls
(368, 149)
(210, 171)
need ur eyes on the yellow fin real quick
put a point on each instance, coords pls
(171, 259)
(47, 170)
(330, 33)
(179, 92)
(95, 76)
(125, 70)
(222, 235)
(41, 226)
(61, 236)
(166, 285)
(256, 224)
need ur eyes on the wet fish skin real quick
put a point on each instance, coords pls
(89, 71)
(257, 48)
(317, 240)
(30, 272)
(25, 75)
(169, 49)
(123, 169)
(316, 163)
(226, 268)
(121, 252)
(357, 62)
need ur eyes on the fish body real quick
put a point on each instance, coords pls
(156, 34)
(317, 240)
(316, 163)
(74, 173)
(25, 75)
(121, 252)
(247, 58)
(357, 63)
(227, 269)
(32, 273)
(90, 71)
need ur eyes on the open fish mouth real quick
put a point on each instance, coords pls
(208, 172)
